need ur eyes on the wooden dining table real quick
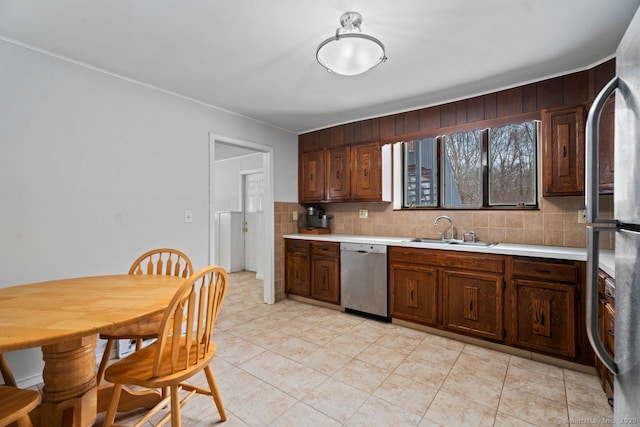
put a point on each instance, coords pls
(64, 317)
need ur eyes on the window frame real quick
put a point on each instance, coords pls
(484, 160)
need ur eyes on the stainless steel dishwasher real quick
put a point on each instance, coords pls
(363, 280)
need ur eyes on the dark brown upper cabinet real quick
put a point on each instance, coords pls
(367, 167)
(339, 174)
(342, 174)
(311, 176)
(563, 151)
(606, 147)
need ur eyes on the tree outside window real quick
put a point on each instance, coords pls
(475, 169)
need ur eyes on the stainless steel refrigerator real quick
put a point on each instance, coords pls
(626, 226)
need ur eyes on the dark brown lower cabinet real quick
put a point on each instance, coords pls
(312, 269)
(414, 294)
(606, 329)
(473, 303)
(526, 302)
(297, 267)
(546, 316)
(325, 276)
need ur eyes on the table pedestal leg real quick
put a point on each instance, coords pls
(69, 394)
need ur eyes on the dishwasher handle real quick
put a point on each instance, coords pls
(363, 248)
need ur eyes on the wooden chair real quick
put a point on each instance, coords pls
(164, 261)
(15, 405)
(6, 373)
(184, 348)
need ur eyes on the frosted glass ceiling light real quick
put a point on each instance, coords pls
(350, 52)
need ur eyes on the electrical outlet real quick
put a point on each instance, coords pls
(188, 217)
(364, 213)
(582, 216)
(295, 215)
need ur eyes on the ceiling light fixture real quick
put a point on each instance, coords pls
(350, 52)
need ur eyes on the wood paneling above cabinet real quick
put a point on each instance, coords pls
(571, 89)
(560, 103)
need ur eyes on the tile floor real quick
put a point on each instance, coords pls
(295, 364)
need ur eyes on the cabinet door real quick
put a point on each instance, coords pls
(609, 328)
(473, 303)
(339, 174)
(311, 179)
(325, 279)
(606, 159)
(414, 293)
(367, 178)
(297, 267)
(545, 316)
(563, 151)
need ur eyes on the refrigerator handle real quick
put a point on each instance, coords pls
(593, 237)
(592, 173)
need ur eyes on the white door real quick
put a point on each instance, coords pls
(253, 195)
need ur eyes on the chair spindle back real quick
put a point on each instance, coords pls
(189, 320)
(164, 261)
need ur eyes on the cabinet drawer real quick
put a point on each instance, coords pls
(438, 258)
(478, 262)
(325, 248)
(295, 245)
(546, 270)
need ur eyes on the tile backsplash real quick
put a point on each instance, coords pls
(555, 223)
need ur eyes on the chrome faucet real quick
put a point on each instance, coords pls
(453, 228)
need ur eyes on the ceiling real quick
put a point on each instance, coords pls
(256, 58)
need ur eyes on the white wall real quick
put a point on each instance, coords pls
(94, 170)
(228, 182)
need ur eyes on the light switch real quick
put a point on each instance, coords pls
(188, 217)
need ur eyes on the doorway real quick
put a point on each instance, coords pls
(253, 223)
(221, 148)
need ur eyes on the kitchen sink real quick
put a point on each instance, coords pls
(485, 244)
(427, 240)
(451, 242)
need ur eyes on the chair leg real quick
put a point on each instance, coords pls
(110, 417)
(24, 422)
(175, 406)
(7, 375)
(215, 392)
(104, 362)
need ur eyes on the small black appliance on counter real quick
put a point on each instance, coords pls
(317, 220)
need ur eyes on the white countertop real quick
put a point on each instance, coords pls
(557, 252)
(608, 262)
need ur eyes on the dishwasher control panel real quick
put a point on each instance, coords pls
(363, 247)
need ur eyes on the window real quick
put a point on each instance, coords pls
(512, 164)
(462, 169)
(420, 172)
(475, 169)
